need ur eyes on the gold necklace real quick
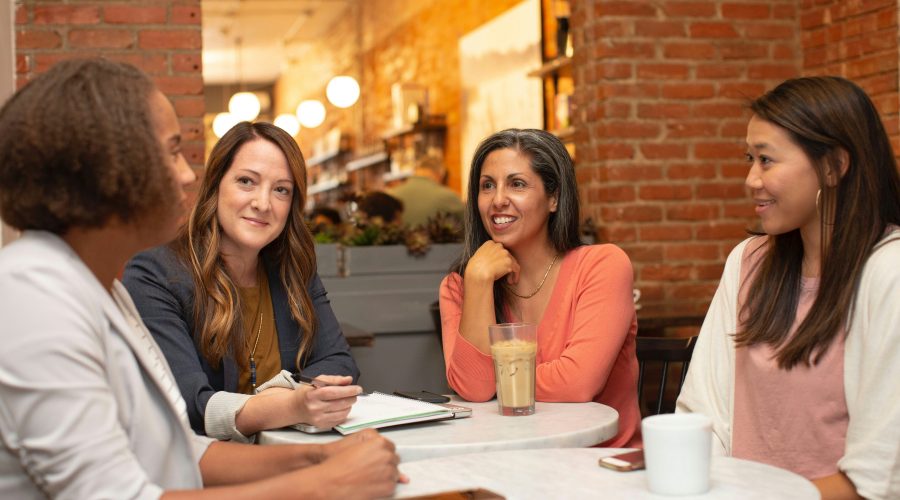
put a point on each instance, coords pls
(540, 285)
(252, 353)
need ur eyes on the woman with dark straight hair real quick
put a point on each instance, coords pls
(797, 360)
(523, 261)
(235, 301)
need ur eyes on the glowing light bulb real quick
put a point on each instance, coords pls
(311, 113)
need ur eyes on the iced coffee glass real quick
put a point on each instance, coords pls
(513, 348)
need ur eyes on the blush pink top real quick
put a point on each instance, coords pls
(586, 346)
(794, 419)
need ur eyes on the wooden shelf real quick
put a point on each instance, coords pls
(366, 161)
(322, 158)
(322, 186)
(551, 66)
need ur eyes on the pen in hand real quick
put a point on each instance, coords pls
(316, 383)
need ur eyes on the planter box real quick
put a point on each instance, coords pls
(327, 258)
(395, 259)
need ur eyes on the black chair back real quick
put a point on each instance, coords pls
(662, 351)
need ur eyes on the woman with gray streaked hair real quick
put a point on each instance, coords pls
(523, 261)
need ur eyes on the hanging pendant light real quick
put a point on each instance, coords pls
(342, 91)
(311, 113)
(223, 122)
(288, 123)
(244, 105)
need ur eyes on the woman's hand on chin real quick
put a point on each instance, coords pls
(491, 262)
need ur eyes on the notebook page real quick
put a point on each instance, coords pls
(378, 408)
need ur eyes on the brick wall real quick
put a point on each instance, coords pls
(660, 88)
(856, 40)
(161, 37)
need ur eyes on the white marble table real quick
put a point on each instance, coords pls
(574, 473)
(553, 425)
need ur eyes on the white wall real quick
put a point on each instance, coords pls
(7, 77)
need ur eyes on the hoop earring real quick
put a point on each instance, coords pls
(818, 196)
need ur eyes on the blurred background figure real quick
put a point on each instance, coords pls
(383, 205)
(424, 195)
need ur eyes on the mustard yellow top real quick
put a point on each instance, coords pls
(258, 300)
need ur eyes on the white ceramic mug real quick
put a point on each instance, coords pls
(677, 449)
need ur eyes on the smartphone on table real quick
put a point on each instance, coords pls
(623, 462)
(430, 397)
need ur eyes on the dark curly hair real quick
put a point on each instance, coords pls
(77, 148)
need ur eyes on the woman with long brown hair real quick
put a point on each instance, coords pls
(235, 301)
(799, 356)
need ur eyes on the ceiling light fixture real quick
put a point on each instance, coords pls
(342, 91)
(288, 123)
(311, 113)
(244, 105)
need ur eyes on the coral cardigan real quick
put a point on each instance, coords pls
(586, 346)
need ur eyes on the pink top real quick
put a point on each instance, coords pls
(585, 340)
(795, 419)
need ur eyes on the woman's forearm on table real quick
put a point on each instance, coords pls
(836, 487)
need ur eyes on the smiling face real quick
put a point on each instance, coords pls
(782, 180)
(254, 199)
(512, 201)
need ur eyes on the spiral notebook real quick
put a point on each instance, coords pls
(378, 410)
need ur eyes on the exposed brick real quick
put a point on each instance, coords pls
(665, 232)
(689, 50)
(691, 171)
(37, 39)
(625, 8)
(665, 192)
(718, 110)
(624, 50)
(689, 9)
(720, 190)
(691, 251)
(712, 30)
(187, 63)
(153, 64)
(693, 211)
(772, 71)
(721, 231)
(663, 110)
(746, 10)
(169, 39)
(21, 13)
(718, 150)
(191, 129)
(664, 151)
(644, 252)
(101, 38)
(682, 129)
(193, 153)
(630, 172)
(615, 71)
(180, 85)
(614, 151)
(688, 91)
(66, 14)
(665, 272)
(607, 194)
(186, 14)
(770, 31)
(719, 71)
(629, 130)
(21, 64)
(744, 50)
(632, 213)
(132, 14)
(662, 71)
(659, 28)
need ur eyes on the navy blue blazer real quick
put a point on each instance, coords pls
(163, 291)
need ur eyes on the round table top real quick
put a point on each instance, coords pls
(553, 425)
(574, 473)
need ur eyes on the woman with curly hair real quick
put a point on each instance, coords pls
(235, 302)
(92, 172)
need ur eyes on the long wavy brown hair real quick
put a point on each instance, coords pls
(829, 118)
(217, 319)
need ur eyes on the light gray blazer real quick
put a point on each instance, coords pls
(90, 408)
